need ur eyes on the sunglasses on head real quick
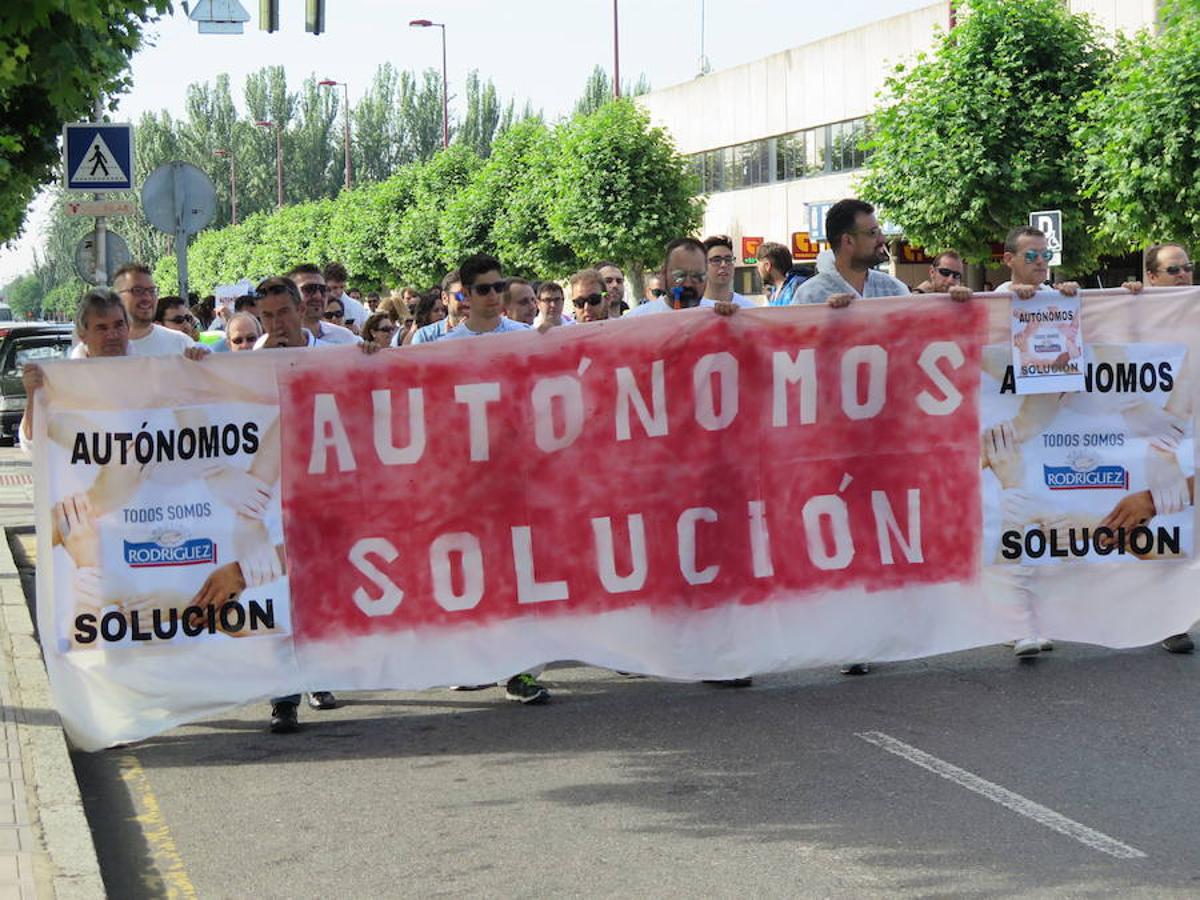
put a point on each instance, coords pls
(949, 273)
(1175, 270)
(1035, 255)
(484, 289)
(589, 300)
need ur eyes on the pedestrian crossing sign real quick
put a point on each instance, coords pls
(98, 156)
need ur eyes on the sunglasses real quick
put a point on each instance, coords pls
(1175, 270)
(334, 315)
(179, 320)
(313, 289)
(1035, 255)
(949, 273)
(484, 289)
(244, 339)
(384, 329)
(590, 300)
(658, 292)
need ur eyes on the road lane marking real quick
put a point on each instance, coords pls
(1043, 815)
(167, 861)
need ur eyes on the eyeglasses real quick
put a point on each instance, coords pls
(1175, 270)
(1035, 255)
(331, 314)
(244, 339)
(551, 298)
(949, 273)
(870, 232)
(484, 289)
(679, 276)
(141, 292)
(179, 320)
(313, 289)
(589, 300)
(720, 260)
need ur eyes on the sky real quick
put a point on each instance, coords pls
(540, 50)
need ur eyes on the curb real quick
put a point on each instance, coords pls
(55, 800)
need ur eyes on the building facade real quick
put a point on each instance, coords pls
(785, 145)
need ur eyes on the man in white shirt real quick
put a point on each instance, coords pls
(858, 245)
(685, 273)
(336, 276)
(614, 286)
(550, 302)
(135, 286)
(313, 293)
(721, 260)
(484, 288)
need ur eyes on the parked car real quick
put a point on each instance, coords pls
(22, 343)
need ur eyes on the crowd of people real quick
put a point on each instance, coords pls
(310, 306)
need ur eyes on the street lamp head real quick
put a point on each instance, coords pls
(420, 23)
(221, 153)
(328, 82)
(265, 124)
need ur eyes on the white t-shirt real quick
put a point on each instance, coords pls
(737, 299)
(330, 335)
(159, 341)
(658, 305)
(566, 320)
(503, 324)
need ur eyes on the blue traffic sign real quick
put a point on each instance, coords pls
(98, 157)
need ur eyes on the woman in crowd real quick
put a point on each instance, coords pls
(173, 313)
(378, 329)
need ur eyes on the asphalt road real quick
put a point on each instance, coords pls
(968, 774)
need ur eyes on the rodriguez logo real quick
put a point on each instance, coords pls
(1084, 472)
(170, 548)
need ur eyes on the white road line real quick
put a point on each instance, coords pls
(1021, 805)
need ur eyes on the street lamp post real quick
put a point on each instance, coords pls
(425, 23)
(228, 154)
(616, 54)
(278, 160)
(346, 136)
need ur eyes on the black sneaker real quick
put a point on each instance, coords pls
(283, 718)
(322, 700)
(524, 688)
(471, 687)
(856, 669)
(730, 682)
(1179, 643)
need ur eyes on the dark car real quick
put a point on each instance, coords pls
(21, 344)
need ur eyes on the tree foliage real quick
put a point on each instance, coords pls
(56, 58)
(1140, 143)
(974, 136)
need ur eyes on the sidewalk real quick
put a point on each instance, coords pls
(46, 848)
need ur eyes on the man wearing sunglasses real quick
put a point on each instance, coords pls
(1168, 265)
(1028, 259)
(945, 273)
(588, 297)
(484, 286)
(313, 295)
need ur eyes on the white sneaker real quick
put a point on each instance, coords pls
(1029, 646)
(1045, 645)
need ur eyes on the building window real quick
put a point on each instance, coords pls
(836, 147)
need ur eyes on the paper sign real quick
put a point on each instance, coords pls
(1047, 344)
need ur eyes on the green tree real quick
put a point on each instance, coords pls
(1140, 142)
(416, 249)
(620, 190)
(56, 58)
(971, 138)
(483, 116)
(24, 295)
(420, 109)
(375, 125)
(598, 90)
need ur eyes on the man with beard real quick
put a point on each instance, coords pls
(685, 274)
(858, 245)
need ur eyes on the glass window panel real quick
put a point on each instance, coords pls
(763, 154)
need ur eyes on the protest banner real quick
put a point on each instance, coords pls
(684, 495)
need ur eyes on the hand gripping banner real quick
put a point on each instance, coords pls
(684, 495)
